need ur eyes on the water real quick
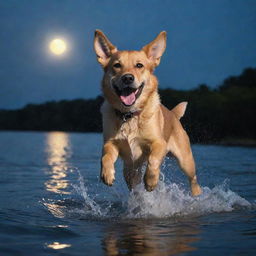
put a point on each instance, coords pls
(52, 203)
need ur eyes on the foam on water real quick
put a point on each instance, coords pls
(167, 200)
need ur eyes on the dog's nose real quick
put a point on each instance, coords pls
(127, 78)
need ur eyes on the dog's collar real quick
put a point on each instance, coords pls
(127, 115)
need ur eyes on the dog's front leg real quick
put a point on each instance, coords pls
(157, 153)
(109, 157)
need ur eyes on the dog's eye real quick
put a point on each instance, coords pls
(139, 65)
(117, 65)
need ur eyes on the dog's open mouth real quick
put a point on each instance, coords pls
(129, 95)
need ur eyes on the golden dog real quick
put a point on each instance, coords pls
(136, 126)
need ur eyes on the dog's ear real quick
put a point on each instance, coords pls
(156, 48)
(180, 109)
(103, 48)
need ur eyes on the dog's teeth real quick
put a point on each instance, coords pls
(136, 91)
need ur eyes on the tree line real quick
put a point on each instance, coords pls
(227, 112)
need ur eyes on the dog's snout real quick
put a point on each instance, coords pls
(127, 78)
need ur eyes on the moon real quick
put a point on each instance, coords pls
(58, 46)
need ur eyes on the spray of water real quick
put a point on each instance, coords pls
(167, 200)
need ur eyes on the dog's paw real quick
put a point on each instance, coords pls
(196, 190)
(151, 180)
(107, 176)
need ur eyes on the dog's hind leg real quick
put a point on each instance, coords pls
(180, 147)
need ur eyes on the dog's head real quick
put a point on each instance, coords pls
(128, 75)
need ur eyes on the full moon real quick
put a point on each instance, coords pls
(58, 46)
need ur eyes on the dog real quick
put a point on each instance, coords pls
(136, 126)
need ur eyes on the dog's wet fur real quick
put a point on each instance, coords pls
(152, 131)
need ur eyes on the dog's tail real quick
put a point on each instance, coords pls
(180, 109)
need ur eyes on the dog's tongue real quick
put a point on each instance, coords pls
(129, 99)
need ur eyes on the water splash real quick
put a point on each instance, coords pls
(171, 200)
(167, 200)
(88, 202)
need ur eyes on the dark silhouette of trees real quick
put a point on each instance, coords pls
(75, 115)
(213, 115)
(246, 79)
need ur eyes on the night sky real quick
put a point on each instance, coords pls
(207, 42)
